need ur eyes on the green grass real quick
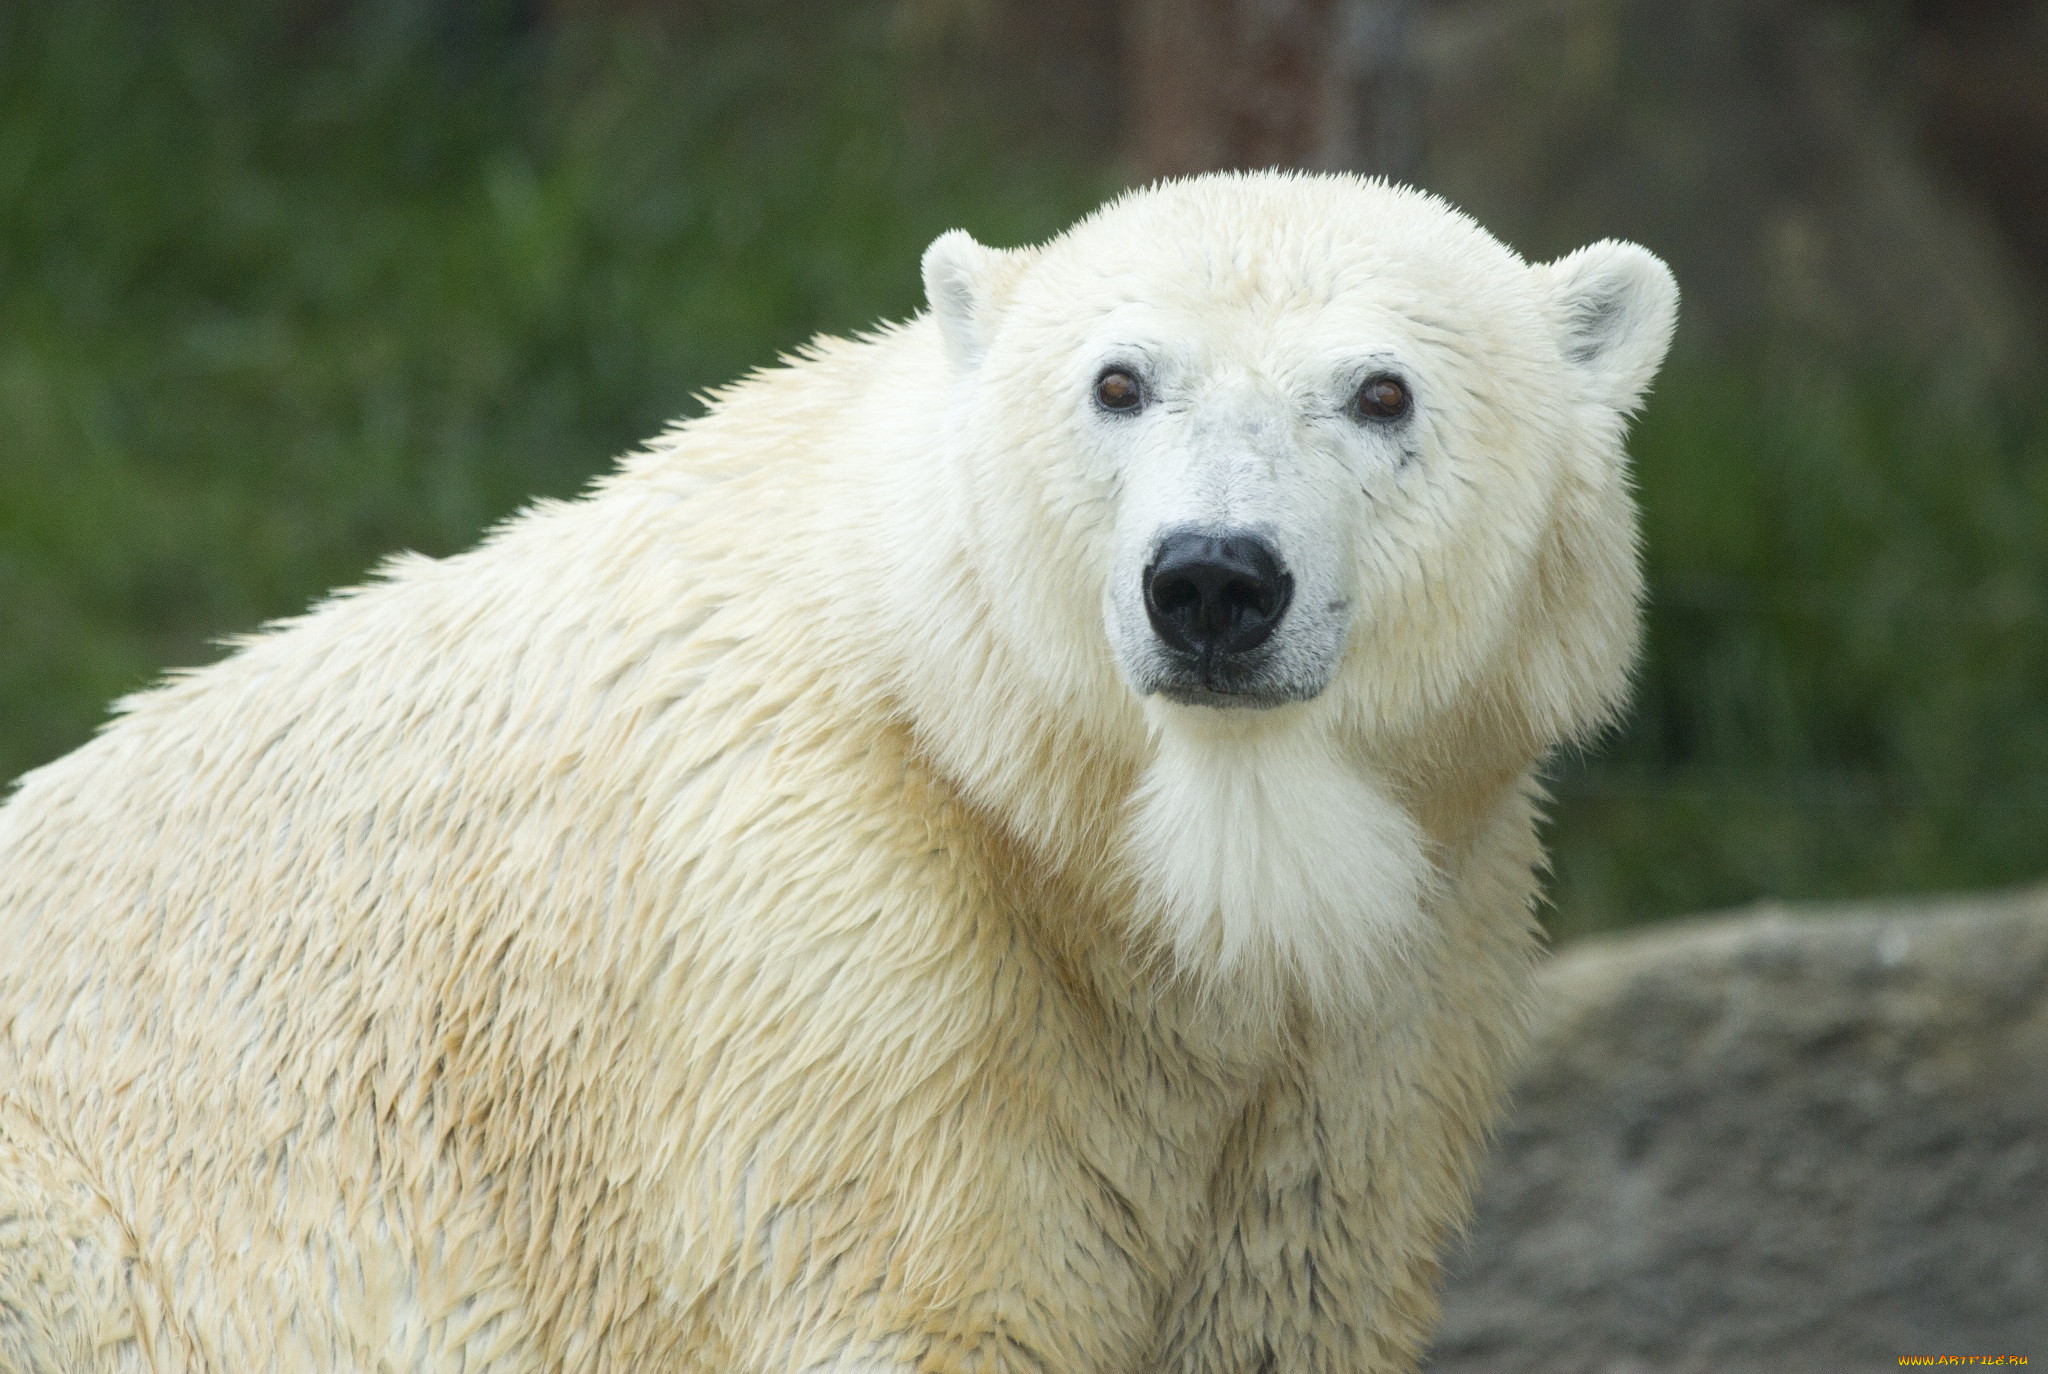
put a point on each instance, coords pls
(278, 297)
(275, 301)
(1846, 684)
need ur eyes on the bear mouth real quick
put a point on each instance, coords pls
(1226, 700)
(1225, 682)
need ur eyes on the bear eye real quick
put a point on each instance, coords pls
(1118, 390)
(1383, 396)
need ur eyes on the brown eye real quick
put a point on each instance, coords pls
(1383, 398)
(1117, 389)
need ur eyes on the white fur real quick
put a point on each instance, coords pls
(1616, 306)
(1422, 551)
(956, 273)
(766, 916)
(1270, 856)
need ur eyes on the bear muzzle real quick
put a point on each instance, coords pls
(1214, 598)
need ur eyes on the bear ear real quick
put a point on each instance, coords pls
(958, 276)
(1614, 306)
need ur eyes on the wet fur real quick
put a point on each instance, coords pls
(744, 920)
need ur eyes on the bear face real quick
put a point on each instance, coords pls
(1341, 419)
(1287, 480)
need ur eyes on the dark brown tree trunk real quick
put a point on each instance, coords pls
(1983, 67)
(1232, 83)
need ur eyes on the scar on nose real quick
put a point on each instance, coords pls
(1342, 603)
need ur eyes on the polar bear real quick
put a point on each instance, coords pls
(1007, 844)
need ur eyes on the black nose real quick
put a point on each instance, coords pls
(1215, 593)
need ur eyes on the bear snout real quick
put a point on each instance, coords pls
(1215, 593)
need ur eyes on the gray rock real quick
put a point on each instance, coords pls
(1774, 1141)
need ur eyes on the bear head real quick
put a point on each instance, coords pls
(1309, 496)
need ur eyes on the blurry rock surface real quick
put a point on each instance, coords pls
(1780, 1140)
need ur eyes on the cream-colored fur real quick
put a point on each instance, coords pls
(756, 917)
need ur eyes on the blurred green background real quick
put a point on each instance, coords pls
(287, 287)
